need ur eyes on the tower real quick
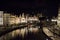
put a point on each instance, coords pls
(23, 15)
(58, 22)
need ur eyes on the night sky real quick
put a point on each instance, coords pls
(48, 8)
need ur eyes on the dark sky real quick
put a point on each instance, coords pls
(48, 8)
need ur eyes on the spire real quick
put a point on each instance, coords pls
(22, 14)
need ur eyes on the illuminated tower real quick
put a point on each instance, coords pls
(20, 16)
(23, 19)
(58, 22)
(23, 15)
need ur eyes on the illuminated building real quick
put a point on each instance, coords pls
(12, 19)
(17, 20)
(23, 19)
(1, 17)
(32, 19)
(58, 22)
(54, 20)
(6, 18)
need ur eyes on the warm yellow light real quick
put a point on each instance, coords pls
(18, 31)
(12, 21)
(33, 29)
(13, 33)
(17, 20)
(23, 32)
(23, 20)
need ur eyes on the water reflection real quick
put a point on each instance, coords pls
(24, 31)
(21, 32)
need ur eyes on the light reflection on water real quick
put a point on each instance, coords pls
(21, 32)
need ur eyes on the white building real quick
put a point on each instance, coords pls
(1, 17)
(33, 19)
(23, 19)
(6, 18)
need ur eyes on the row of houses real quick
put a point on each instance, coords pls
(7, 18)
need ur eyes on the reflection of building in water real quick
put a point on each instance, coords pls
(21, 32)
(9, 19)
